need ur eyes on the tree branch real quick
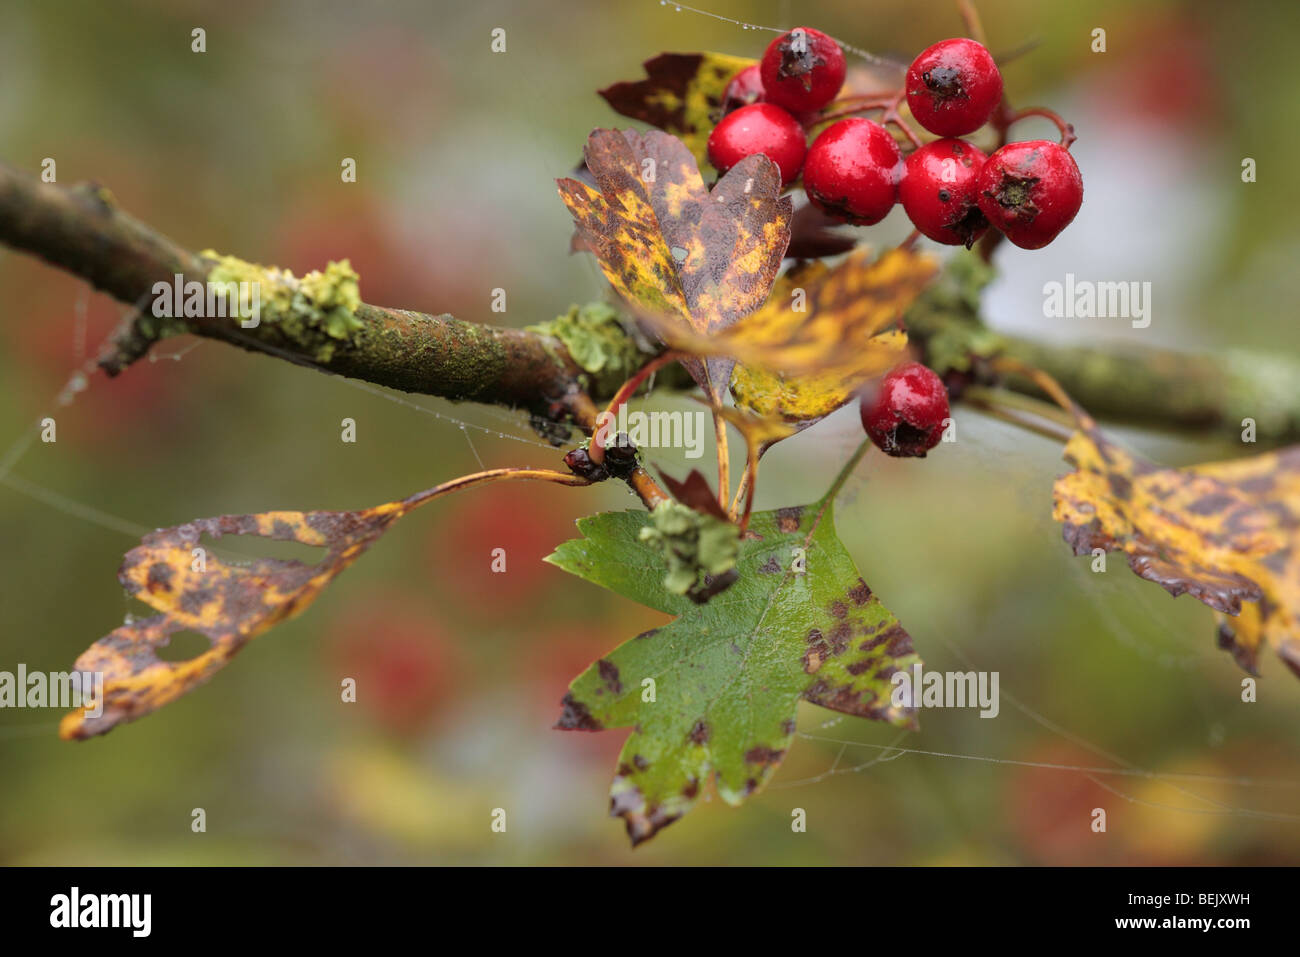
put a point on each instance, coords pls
(82, 231)
(1129, 384)
(1168, 389)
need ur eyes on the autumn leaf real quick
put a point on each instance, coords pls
(760, 432)
(229, 604)
(1272, 483)
(694, 492)
(1227, 533)
(700, 260)
(681, 94)
(176, 573)
(822, 333)
(815, 234)
(715, 691)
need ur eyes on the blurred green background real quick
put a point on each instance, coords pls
(461, 670)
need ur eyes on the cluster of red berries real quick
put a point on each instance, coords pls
(855, 171)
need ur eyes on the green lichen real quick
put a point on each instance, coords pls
(694, 546)
(316, 312)
(599, 343)
(946, 316)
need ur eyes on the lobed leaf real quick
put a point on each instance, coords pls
(681, 94)
(700, 260)
(727, 676)
(1226, 533)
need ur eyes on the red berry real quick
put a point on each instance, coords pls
(759, 128)
(938, 192)
(802, 70)
(905, 415)
(746, 87)
(1031, 191)
(852, 171)
(953, 87)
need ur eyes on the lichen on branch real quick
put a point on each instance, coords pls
(316, 312)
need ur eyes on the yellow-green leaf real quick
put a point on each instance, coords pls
(1226, 533)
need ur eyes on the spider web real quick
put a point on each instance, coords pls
(851, 756)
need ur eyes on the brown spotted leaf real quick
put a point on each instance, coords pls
(823, 333)
(1227, 533)
(700, 260)
(229, 604)
(713, 694)
(681, 94)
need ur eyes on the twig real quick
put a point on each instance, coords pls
(82, 231)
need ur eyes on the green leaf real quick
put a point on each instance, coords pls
(716, 690)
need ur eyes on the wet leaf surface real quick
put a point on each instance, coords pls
(727, 676)
(700, 260)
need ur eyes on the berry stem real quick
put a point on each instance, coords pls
(1028, 413)
(724, 459)
(867, 103)
(1047, 384)
(893, 116)
(847, 470)
(748, 482)
(989, 244)
(1066, 129)
(597, 451)
(742, 487)
(854, 106)
(970, 16)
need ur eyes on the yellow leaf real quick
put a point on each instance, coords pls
(758, 431)
(228, 604)
(823, 333)
(1226, 533)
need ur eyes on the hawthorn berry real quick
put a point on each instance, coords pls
(938, 192)
(905, 415)
(953, 87)
(1030, 191)
(852, 171)
(759, 128)
(746, 87)
(802, 70)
